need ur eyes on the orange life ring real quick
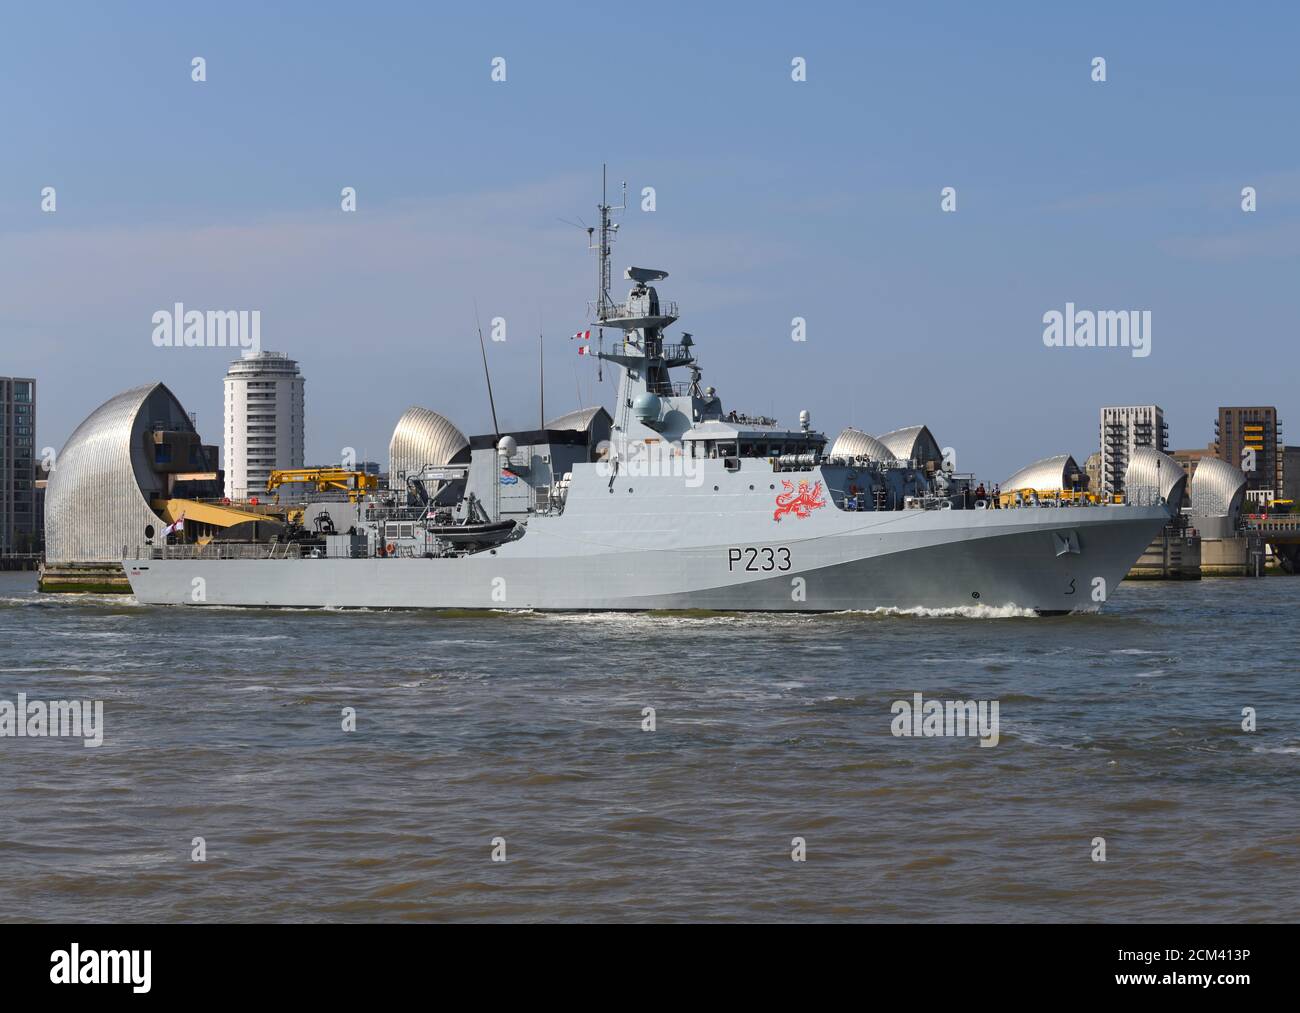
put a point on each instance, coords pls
(390, 548)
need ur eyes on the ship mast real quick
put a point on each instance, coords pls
(643, 358)
(604, 305)
(604, 248)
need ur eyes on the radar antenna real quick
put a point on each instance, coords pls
(603, 308)
(604, 246)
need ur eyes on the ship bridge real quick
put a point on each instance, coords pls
(727, 439)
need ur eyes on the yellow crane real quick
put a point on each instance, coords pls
(355, 483)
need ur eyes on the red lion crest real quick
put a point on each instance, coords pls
(801, 502)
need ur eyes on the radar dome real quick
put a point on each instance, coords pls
(647, 407)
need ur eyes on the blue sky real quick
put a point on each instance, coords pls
(775, 199)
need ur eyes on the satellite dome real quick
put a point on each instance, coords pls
(647, 407)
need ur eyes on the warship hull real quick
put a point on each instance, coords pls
(674, 504)
(696, 556)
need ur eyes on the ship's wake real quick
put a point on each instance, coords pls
(953, 612)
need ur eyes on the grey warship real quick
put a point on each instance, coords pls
(686, 506)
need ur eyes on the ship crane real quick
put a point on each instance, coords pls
(357, 484)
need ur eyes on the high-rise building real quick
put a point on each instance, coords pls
(18, 517)
(1250, 438)
(1123, 430)
(264, 421)
(1291, 474)
(42, 483)
(1189, 459)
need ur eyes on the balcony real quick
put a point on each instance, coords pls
(682, 389)
(635, 313)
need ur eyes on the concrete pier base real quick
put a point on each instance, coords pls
(1174, 555)
(1232, 557)
(83, 578)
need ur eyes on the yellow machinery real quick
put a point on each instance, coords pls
(204, 520)
(355, 483)
(212, 514)
(1064, 497)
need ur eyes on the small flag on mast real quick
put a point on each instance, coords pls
(582, 335)
(584, 349)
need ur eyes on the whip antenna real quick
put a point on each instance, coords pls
(488, 376)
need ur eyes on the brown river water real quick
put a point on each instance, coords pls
(227, 725)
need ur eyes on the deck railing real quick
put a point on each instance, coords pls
(215, 550)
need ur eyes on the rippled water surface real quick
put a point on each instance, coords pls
(225, 724)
